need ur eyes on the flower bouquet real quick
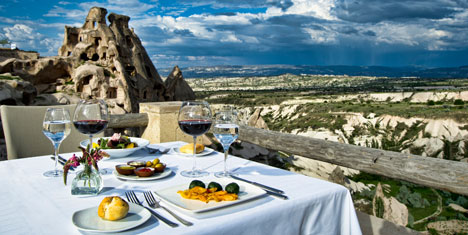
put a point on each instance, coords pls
(89, 180)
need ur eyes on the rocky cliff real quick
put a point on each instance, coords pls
(102, 61)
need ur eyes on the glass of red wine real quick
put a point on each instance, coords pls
(91, 117)
(195, 120)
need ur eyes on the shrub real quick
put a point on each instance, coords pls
(459, 102)
(430, 102)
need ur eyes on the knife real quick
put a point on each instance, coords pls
(276, 194)
(273, 190)
(62, 162)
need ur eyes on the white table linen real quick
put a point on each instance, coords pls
(34, 204)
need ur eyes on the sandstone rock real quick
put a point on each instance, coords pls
(458, 208)
(103, 61)
(257, 121)
(177, 87)
(16, 92)
(393, 210)
(432, 146)
(337, 176)
(449, 227)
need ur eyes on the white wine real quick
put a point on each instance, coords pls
(56, 131)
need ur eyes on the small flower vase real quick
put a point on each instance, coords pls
(87, 182)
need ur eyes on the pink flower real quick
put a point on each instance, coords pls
(115, 137)
(74, 161)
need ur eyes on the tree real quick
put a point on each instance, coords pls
(4, 41)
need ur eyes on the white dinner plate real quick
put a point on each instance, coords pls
(167, 171)
(88, 220)
(205, 152)
(169, 195)
(118, 153)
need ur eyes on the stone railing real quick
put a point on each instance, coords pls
(159, 121)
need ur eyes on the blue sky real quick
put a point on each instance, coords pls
(429, 33)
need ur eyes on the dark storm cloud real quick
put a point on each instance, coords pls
(225, 14)
(376, 11)
(348, 30)
(183, 33)
(369, 33)
(292, 20)
(237, 4)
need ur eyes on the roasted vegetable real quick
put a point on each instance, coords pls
(232, 188)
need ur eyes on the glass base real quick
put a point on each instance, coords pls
(105, 171)
(194, 174)
(222, 174)
(87, 182)
(53, 173)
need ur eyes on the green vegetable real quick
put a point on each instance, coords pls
(215, 185)
(195, 183)
(232, 188)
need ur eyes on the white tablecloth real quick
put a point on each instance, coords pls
(33, 204)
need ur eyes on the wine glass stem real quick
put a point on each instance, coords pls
(194, 153)
(90, 142)
(226, 151)
(56, 148)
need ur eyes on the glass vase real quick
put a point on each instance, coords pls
(87, 182)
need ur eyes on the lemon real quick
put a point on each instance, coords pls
(155, 161)
(95, 145)
(148, 163)
(130, 146)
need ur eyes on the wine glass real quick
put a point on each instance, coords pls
(56, 126)
(226, 131)
(91, 117)
(195, 120)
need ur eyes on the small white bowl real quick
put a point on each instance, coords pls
(118, 153)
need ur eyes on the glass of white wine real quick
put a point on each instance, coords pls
(56, 126)
(226, 131)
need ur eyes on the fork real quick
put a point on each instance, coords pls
(133, 198)
(153, 203)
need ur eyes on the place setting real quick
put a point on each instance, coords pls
(202, 195)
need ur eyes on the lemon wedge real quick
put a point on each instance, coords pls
(95, 145)
(129, 146)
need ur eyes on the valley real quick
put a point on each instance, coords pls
(426, 117)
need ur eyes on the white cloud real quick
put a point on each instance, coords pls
(25, 37)
(317, 8)
(320, 36)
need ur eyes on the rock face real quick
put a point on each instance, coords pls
(16, 92)
(177, 87)
(389, 208)
(101, 61)
(257, 121)
(6, 53)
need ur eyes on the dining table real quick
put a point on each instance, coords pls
(34, 204)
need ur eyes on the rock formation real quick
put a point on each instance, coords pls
(101, 61)
(177, 87)
(389, 208)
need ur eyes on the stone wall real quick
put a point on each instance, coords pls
(6, 53)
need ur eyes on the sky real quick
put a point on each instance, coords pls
(187, 33)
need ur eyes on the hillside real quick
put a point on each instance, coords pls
(275, 70)
(426, 117)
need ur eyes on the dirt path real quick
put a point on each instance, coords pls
(436, 213)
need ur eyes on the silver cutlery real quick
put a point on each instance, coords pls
(259, 185)
(161, 150)
(133, 198)
(282, 196)
(153, 203)
(62, 162)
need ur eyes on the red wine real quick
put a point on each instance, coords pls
(90, 126)
(195, 127)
